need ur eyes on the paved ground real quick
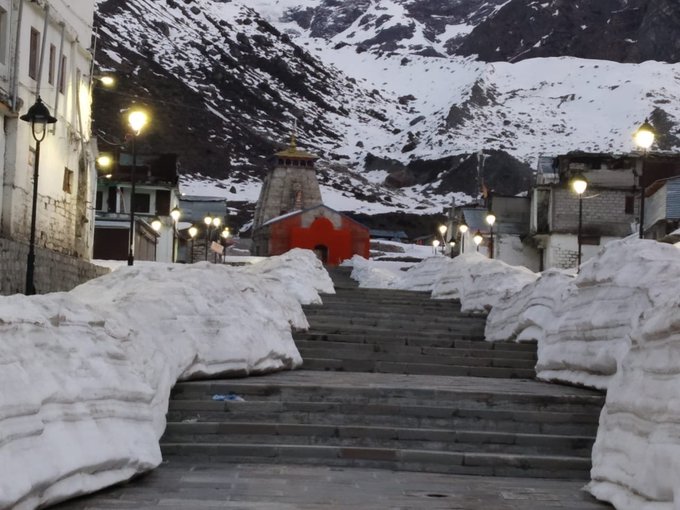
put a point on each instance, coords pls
(184, 486)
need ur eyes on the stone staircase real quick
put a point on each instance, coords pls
(392, 379)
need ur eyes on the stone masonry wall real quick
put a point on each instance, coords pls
(603, 212)
(54, 272)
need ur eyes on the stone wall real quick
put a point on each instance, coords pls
(54, 272)
(603, 212)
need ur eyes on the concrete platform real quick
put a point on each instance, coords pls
(179, 485)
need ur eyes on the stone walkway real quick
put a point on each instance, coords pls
(177, 485)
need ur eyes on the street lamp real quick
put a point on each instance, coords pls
(39, 116)
(174, 214)
(462, 228)
(208, 220)
(477, 238)
(156, 225)
(491, 219)
(137, 119)
(435, 245)
(579, 185)
(644, 139)
(192, 233)
(452, 245)
(442, 231)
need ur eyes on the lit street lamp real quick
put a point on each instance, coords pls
(579, 185)
(39, 116)
(175, 215)
(435, 245)
(478, 239)
(442, 232)
(192, 233)
(156, 225)
(208, 220)
(452, 245)
(491, 219)
(644, 139)
(137, 119)
(462, 228)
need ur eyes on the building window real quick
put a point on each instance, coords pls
(53, 63)
(142, 203)
(99, 201)
(34, 56)
(62, 74)
(68, 180)
(629, 208)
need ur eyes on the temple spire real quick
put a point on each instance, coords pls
(293, 137)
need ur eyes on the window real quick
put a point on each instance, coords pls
(99, 201)
(629, 208)
(142, 202)
(68, 180)
(3, 36)
(53, 63)
(62, 74)
(34, 56)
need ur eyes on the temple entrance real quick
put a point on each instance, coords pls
(321, 252)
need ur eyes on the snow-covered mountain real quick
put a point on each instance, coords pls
(409, 102)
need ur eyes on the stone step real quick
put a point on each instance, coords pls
(414, 367)
(538, 422)
(395, 391)
(386, 338)
(483, 464)
(426, 316)
(403, 322)
(406, 354)
(426, 304)
(378, 437)
(456, 349)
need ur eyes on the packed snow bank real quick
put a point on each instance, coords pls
(526, 315)
(480, 282)
(636, 457)
(86, 375)
(588, 333)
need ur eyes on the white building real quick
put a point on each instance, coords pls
(45, 51)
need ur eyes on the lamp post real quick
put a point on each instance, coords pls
(208, 223)
(192, 233)
(462, 228)
(579, 185)
(39, 116)
(644, 139)
(217, 221)
(435, 245)
(156, 226)
(491, 219)
(477, 238)
(442, 231)
(175, 215)
(137, 119)
(225, 235)
(452, 245)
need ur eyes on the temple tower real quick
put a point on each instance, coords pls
(290, 185)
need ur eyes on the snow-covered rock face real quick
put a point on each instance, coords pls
(365, 84)
(636, 457)
(87, 374)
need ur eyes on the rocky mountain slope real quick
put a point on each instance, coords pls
(410, 103)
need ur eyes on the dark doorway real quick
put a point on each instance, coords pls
(321, 252)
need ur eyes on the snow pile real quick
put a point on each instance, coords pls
(636, 457)
(369, 275)
(86, 375)
(303, 281)
(480, 282)
(526, 315)
(589, 332)
(425, 275)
